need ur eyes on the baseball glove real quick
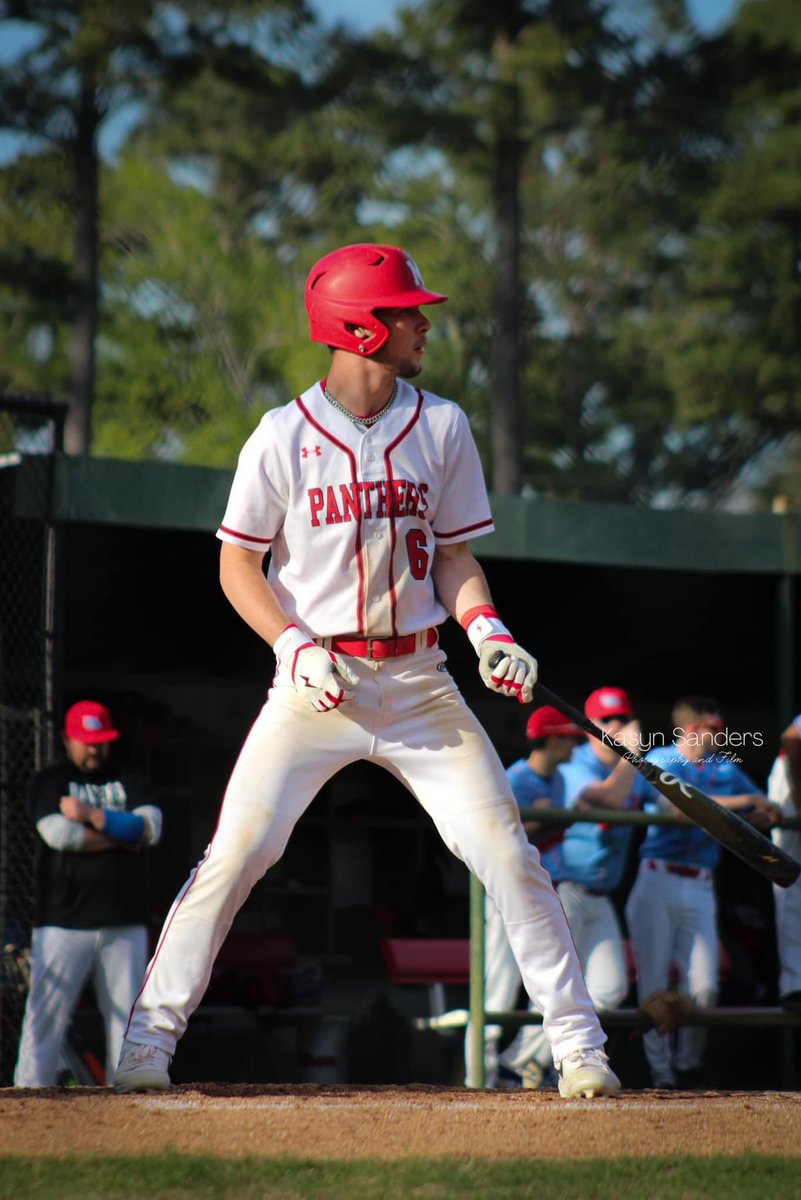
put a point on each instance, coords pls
(668, 1010)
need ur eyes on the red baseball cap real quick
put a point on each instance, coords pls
(608, 702)
(89, 722)
(549, 722)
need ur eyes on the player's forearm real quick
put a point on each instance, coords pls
(742, 800)
(613, 792)
(459, 581)
(69, 836)
(247, 590)
(116, 827)
(97, 843)
(460, 584)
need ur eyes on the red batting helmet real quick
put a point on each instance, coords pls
(348, 285)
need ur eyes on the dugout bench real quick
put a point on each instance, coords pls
(433, 963)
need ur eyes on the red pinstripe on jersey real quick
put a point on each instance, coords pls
(393, 595)
(361, 596)
(467, 529)
(246, 537)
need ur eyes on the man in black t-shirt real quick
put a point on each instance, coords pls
(93, 818)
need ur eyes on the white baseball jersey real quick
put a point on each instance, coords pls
(352, 514)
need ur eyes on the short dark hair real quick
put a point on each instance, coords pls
(538, 743)
(698, 704)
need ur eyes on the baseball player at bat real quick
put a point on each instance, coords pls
(366, 490)
(672, 910)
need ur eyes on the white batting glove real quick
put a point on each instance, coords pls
(504, 666)
(507, 668)
(322, 679)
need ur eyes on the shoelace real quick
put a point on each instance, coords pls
(146, 1054)
(592, 1057)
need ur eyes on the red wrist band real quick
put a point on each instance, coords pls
(478, 610)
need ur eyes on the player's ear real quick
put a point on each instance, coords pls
(360, 332)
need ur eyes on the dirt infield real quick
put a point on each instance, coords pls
(353, 1122)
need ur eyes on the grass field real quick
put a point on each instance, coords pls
(176, 1177)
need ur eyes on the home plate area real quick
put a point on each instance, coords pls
(389, 1122)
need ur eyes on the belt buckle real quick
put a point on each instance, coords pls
(376, 642)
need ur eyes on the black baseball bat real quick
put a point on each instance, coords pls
(723, 824)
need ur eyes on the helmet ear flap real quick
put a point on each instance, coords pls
(367, 335)
(346, 287)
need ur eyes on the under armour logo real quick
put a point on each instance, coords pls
(307, 450)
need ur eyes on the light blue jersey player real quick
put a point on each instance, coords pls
(672, 910)
(589, 863)
(536, 783)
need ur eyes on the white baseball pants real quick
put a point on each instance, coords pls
(788, 933)
(410, 718)
(673, 923)
(787, 900)
(62, 961)
(598, 939)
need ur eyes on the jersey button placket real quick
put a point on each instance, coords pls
(374, 568)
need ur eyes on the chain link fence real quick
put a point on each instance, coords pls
(30, 435)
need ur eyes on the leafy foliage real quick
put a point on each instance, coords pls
(611, 203)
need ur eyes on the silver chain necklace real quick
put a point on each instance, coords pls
(368, 421)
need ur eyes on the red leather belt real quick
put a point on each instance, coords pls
(378, 648)
(677, 869)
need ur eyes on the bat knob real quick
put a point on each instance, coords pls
(496, 658)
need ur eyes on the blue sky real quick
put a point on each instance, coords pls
(366, 14)
(360, 14)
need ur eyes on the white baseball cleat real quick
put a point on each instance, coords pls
(142, 1069)
(587, 1073)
